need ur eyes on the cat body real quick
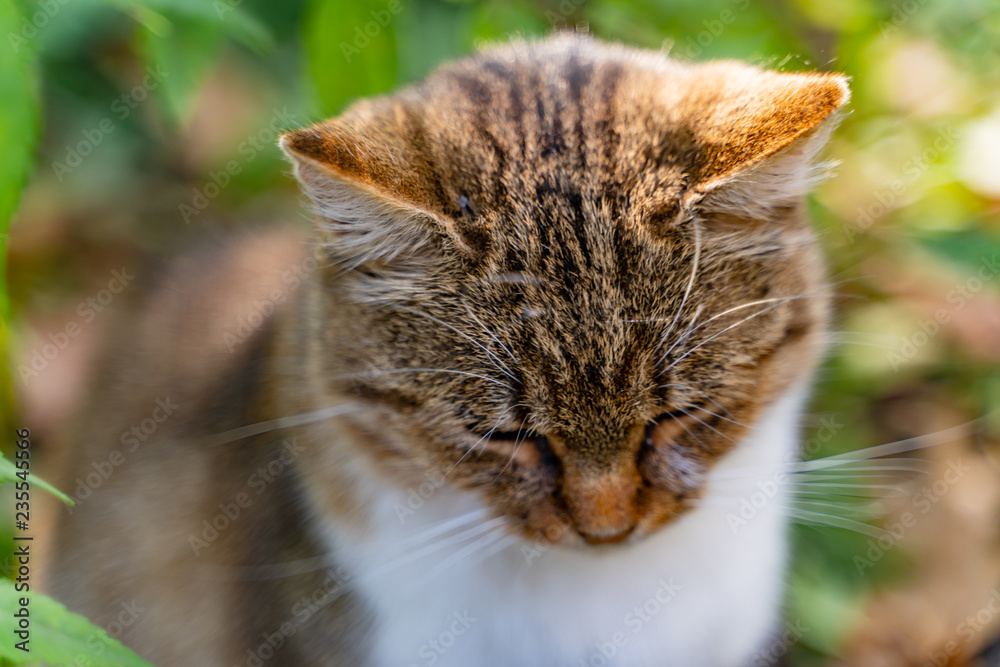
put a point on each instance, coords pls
(558, 327)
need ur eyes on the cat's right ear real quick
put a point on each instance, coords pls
(373, 190)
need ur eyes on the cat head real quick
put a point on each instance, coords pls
(569, 276)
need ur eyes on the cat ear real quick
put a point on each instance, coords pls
(758, 134)
(373, 190)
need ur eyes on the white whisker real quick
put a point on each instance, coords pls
(822, 519)
(310, 417)
(442, 527)
(388, 371)
(690, 285)
(518, 441)
(466, 552)
(705, 425)
(777, 302)
(505, 369)
(438, 545)
(867, 454)
(489, 333)
(482, 439)
(683, 338)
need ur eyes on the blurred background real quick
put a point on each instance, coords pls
(143, 126)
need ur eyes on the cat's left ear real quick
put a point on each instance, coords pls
(758, 134)
(373, 187)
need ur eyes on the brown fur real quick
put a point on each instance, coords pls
(528, 222)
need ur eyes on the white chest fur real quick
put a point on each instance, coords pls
(703, 591)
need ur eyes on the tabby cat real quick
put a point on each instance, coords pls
(561, 305)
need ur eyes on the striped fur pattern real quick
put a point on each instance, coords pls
(589, 229)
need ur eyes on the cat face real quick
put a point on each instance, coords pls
(569, 277)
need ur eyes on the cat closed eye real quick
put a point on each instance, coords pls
(669, 425)
(674, 414)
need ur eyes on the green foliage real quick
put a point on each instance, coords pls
(351, 50)
(18, 136)
(316, 56)
(18, 114)
(59, 637)
(9, 472)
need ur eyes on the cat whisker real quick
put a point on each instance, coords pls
(857, 468)
(810, 517)
(864, 480)
(518, 441)
(496, 360)
(836, 486)
(683, 338)
(831, 494)
(883, 342)
(486, 437)
(387, 371)
(301, 419)
(690, 284)
(803, 516)
(465, 304)
(267, 571)
(870, 454)
(912, 465)
(439, 544)
(466, 552)
(856, 509)
(825, 466)
(847, 507)
(442, 527)
(498, 547)
(777, 301)
(887, 489)
(720, 417)
(488, 527)
(915, 443)
(685, 412)
(829, 474)
(528, 313)
(862, 471)
(516, 278)
(688, 353)
(708, 398)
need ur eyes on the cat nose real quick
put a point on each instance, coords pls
(603, 507)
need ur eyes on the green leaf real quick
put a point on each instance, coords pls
(8, 473)
(19, 114)
(19, 121)
(59, 637)
(185, 53)
(183, 38)
(351, 49)
(226, 17)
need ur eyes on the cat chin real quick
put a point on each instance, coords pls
(563, 535)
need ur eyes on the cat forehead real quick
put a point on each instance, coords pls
(571, 112)
(566, 109)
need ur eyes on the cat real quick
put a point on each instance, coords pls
(560, 302)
